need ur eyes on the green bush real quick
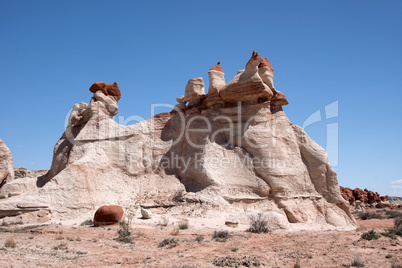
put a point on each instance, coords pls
(390, 233)
(370, 235)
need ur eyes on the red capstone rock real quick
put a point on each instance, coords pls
(107, 215)
(265, 63)
(107, 89)
(255, 57)
(217, 67)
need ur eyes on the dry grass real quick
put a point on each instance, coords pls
(10, 243)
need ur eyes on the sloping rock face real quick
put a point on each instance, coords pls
(6, 164)
(229, 151)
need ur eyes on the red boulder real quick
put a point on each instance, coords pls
(106, 215)
(107, 89)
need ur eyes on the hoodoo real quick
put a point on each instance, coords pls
(228, 152)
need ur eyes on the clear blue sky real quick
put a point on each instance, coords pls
(322, 51)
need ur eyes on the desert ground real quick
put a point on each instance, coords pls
(58, 245)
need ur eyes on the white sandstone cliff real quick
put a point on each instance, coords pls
(231, 151)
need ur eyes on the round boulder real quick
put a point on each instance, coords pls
(107, 215)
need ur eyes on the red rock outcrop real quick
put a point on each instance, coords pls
(107, 89)
(107, 215)
(347, 194)
(265, 63)
(365, 196)
(217, 67)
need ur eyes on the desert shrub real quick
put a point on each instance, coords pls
(10, 243)
(183, 225)
(221, 236)
(393, 214)
(199, 238)
(297, 265)
(370, 215)
(237, 262)
(398, 223)
(391, 233)
(124, 234)
(2, 196)
(178, 196)
(370, 235)
(59, 237)
(169, 242)
(258, 224)
(184, 266)
(356, 261)
(61, 246)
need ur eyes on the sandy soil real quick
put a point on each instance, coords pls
(86, 246)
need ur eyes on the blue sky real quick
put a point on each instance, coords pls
(322, 51)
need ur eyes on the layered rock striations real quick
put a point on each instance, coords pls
(228, 151)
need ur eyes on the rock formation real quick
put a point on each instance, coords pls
(195, 91)
(107, 89)
(106, 215)
(6, 164)
(361, 199)
(227, 152)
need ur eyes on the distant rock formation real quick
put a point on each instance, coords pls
(394, 200)
(361, 199)
(228, 151)
(6, 164)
